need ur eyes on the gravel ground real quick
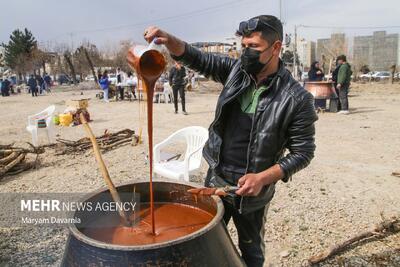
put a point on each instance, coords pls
(343, 192)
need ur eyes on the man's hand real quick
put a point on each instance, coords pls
(338, 86)
(250, 185)
(175, 46)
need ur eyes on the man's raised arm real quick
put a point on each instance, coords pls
(212, 66)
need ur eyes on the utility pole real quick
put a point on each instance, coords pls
(280, 10)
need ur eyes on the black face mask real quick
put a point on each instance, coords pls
(250, 60)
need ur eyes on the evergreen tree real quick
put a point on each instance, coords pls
(18, 51)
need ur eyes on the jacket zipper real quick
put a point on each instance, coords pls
(248, 148)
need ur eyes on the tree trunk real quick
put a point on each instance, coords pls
(67, 57)
(90, 64)
(393, 71)
(44, 66)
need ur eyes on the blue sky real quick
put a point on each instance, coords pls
(107, 22)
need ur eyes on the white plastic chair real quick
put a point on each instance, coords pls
(166, 93)
(32, 127)
(195, 137)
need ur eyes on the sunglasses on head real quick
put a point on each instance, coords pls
(249, 26)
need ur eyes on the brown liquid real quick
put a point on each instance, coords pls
(150, 65)
(173, 221)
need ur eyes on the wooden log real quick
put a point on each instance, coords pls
(10, 165)
(9, 158)
(380, 230)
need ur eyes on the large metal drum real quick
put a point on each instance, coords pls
(208, 246)
(321, 90)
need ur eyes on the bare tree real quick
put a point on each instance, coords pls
(67, 57)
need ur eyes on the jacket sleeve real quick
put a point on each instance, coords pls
(210, 65)
(342, 74)
(301, 141)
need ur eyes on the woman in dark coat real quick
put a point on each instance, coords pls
(315, 74)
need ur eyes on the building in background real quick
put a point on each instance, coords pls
(215, 47)
(329, 48)
(379, 51)
(306, 53)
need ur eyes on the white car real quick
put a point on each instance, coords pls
(89, 78)
(113, 78)
(381, 75)
(367, 76)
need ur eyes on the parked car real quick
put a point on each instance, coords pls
(381, 75)
(65, 79)
(89, 78)
(113, 78)
(367, 76)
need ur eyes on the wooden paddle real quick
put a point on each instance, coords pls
(103, 169)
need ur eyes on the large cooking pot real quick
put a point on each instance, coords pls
(321, 90)
(208, 246)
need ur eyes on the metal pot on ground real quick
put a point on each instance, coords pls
(209, 246)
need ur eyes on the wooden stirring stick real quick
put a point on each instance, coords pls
(103, 169)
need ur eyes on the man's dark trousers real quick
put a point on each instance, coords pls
(181, 90)
(343, 97)
(34, 91)
(250, 227)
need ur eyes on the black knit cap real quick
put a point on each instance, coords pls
(270, 23)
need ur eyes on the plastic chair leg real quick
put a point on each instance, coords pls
(34, 137)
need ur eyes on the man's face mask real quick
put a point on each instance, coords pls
(250, 60)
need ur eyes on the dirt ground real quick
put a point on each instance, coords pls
(343, 192)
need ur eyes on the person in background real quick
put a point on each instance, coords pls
(32, 83)
(5, 87)
(315, 74)
(105, 85)
(40, 82)
(334, 80)
(343, 83)
(120, 83)
(131, 81)
(1, 83)
(177, 81)
(47, 82)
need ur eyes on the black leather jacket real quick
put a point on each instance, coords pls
(284, 118)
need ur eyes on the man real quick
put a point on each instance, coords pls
(47, 82)
(260, 112)
(120, 84)
(177, 81)
(334, 104)
(343, 84)
(105, 85)
(5, 87)
(32, 83)
(40, 82)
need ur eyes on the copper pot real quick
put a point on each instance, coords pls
(321, 90)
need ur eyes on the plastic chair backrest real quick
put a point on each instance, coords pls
(195, 137)
(32, 120)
